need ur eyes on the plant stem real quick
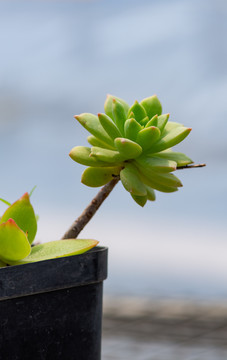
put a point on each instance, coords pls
(190, 166)
(90, 210)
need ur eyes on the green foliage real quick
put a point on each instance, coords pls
(18, 226)
(56, 249)
(14, 244)
(23, 214)
(135, 144)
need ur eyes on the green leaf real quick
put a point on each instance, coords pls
(157, 163)
(91, 123)
(127, 148)
(152, 106)
(144, 121)
(167, 179)
(140, 200)
(131, 129)
(23, 214)
(180, 158)
(96, 177)
(138, 111)
(119, 116)
(82, 155)
(14, 244)
(32, 190)
(5, 202)
(105, 155)
(150, 193)
(171, 138)
(162, 121)
(171, 125)
(94, 141)
(147, 137)
(109, 126)
(56, 249)
(152, 122)
(154, 183)
(131, 181)
(108, 106)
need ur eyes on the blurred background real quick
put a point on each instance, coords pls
(61, 58)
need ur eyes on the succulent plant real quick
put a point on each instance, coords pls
(18, 227)
(133, 143)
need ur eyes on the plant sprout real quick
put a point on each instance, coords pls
(128, 144)
(18, 227)
(132, 145)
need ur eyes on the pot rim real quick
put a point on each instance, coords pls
(54, 274)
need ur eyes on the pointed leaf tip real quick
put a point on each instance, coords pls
(25, 196)
(10, 222)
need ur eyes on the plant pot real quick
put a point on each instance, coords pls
(53, 309)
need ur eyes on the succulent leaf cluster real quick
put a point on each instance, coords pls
(18, 227)
(133, 143)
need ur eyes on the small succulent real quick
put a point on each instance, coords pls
(133, 143)
(18, 227)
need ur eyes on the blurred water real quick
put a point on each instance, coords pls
(61, 58)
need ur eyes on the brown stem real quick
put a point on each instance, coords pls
(190, 166)
(90, 210)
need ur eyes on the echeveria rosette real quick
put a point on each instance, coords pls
(18, 227)
(133, 143)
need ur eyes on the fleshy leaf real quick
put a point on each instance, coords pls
(131, 181)
(162, 121)
(119, 115)
(23, 214)
(105, 155)
(144, 121)
(91, 123)
(94, 141)
(152, 122)
(180, 158)
(152, 106)
(131, 129)
(150, 193)
(141, 138)
(147, 137)
(166, 179)
(157, 164)
(138, 110)
(14, 244)
(56, 249)
(109, 126)
(82, 155)
(127, 148)
(172, 138)
(154, 184)
(140, 200)
(96, 177)
(108, 106)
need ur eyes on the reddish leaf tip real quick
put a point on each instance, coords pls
(10, 222)
(25, 196)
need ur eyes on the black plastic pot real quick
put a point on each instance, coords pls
(53, 309)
